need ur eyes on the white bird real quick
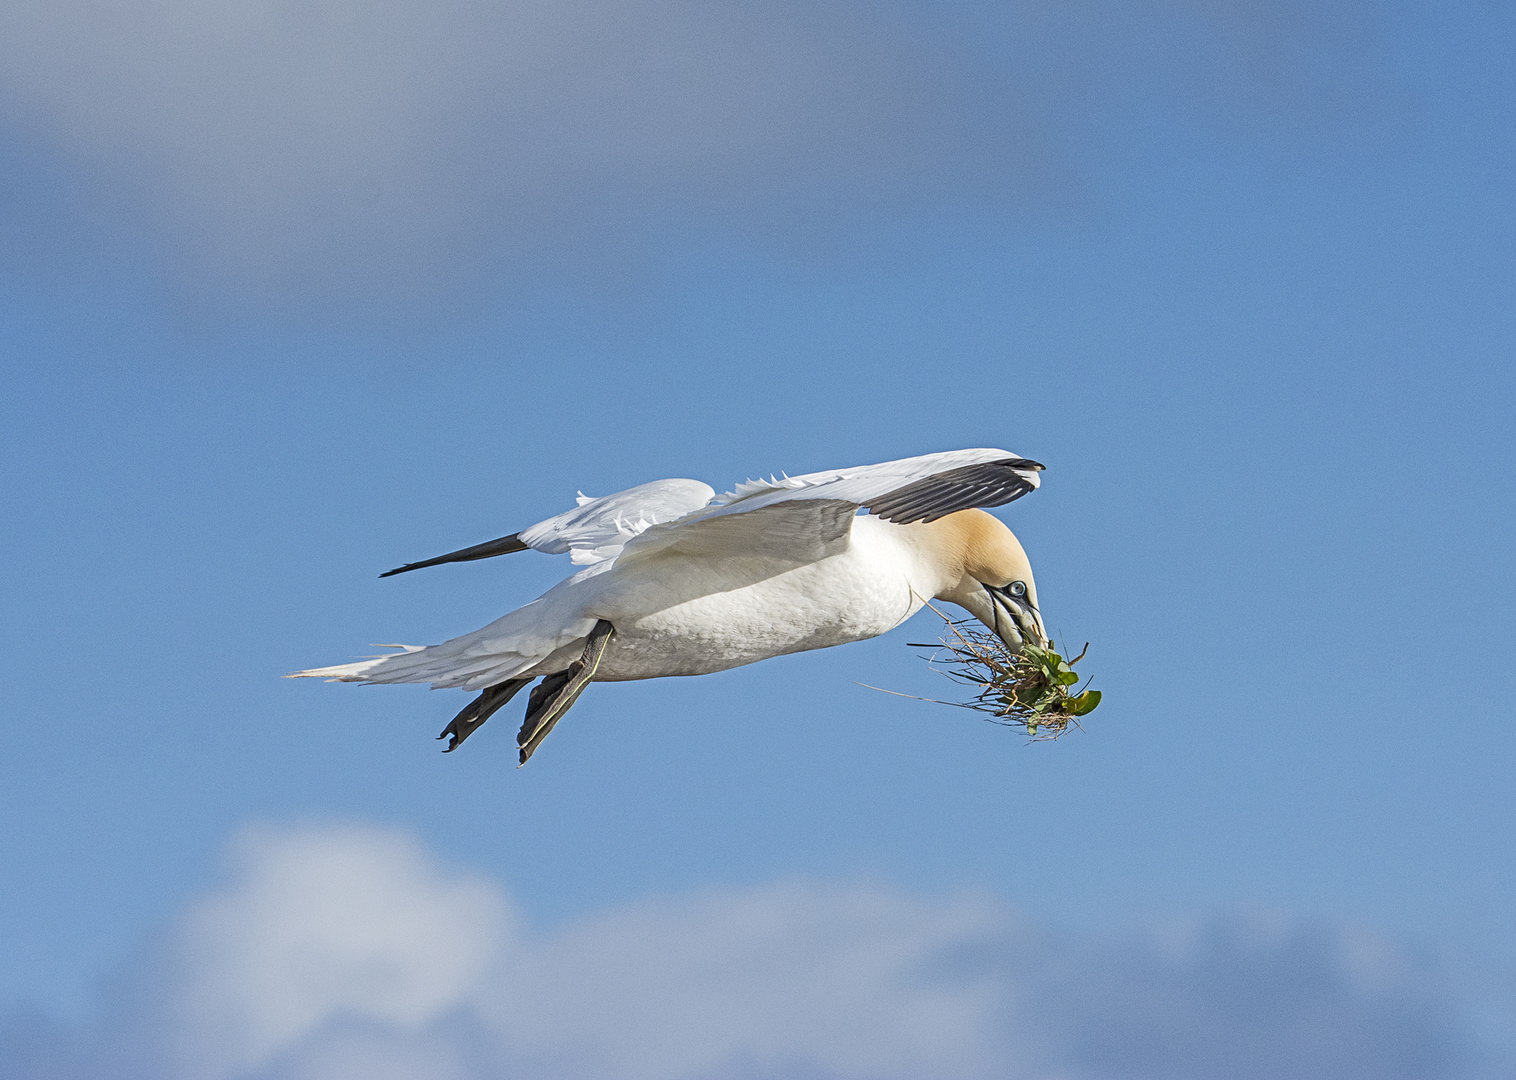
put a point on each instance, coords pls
(679, 581)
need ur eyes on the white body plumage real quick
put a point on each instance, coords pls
(683, 615)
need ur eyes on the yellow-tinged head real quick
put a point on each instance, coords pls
(985, 571)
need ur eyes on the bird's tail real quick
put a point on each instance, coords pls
(505, 649)
(434, 664)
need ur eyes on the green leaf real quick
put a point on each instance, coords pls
(1030, 695)
(1084, 703)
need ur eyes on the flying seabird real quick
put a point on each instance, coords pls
(679, 581)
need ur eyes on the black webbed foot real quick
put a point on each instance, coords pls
(553, 696)
(479, 710)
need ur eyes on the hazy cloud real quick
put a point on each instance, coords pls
(346, 953)
(318, 926)
(291, 142)
(844, 982)
(380, 150)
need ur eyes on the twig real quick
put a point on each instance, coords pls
(1026, 688)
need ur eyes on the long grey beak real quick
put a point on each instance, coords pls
(1017, 622)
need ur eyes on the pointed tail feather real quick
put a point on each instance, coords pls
(357, 671)
(434, 664)
(506, 649)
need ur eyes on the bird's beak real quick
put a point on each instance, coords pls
(1017, 621)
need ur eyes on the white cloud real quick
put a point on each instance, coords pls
(346, 953)
(319, 925)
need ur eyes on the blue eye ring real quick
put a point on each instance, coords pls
(1016, 588)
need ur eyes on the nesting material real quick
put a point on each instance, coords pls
(1031, 688)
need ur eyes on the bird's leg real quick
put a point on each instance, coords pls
(552, 697)
(479, 710)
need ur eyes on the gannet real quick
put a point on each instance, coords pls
(679, 581)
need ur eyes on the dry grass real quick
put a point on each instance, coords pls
(1030, 688)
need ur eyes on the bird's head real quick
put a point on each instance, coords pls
(987, 573)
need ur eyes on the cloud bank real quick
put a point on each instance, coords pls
(380, 150)
(346, 953)
(295, 142)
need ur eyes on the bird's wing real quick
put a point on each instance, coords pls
(912, 489)
(804, 518)
(593, 531)
(597, 529)
(785, 533)
(793, 525)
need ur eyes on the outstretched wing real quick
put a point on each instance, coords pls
(593, 531)
(599, 528)
(808, 517)
(913, 489)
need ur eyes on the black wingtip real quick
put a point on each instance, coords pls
(990, 483)
(487, 550)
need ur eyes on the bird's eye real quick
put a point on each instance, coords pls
(1017, 588)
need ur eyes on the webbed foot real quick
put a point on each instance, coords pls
(553, 696)
(479, 710)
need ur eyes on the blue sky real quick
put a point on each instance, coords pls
(292, 296)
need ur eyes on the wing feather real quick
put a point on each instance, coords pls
(911, 489)
(991, 483)
(790, 526)
(597, 529)
(781, 533)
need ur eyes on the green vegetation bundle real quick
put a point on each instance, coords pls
(1031, 688)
